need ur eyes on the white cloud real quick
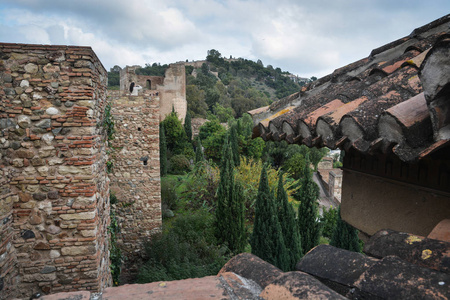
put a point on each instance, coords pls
(304, 37)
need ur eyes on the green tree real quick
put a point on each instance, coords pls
(255, 148)
(176, 139)
(234, 143)
(210, 128)
(345, 236)
(230, 207)
(267, 238)
(188, 126)
(328, 221)
(162, 150)
(195, 98)
(291, 236)
(308, 224)
(316, 155)
(223, 113)
(295, 165)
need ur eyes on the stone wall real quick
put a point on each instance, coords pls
(171, 89)
(54, 204)
(128, 77)
(335, 184)
(173, 92)
(135, 176)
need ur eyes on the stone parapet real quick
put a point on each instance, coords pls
(52, 145)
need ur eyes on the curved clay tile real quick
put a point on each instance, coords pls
(407, 122)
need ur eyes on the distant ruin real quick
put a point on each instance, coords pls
(170, 88)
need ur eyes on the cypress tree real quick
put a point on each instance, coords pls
(162, 150)
(345, 236)
(199, 151)
(267, 239)
(289, 227)
(308, 224)
(234, 145)
(188, 126)
(230, 207)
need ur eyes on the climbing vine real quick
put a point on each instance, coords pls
(108, 123)
(115, 255)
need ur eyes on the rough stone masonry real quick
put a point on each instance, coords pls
(135, 175)
(54, 194)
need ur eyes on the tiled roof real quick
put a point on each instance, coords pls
(397, 266)
(389, 101)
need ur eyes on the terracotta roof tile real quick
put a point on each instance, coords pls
(421, 251)
(373, 104)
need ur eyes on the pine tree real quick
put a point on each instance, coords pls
(345, 236)
(289, 227)
(188, 126)
(267, 239)
(235, 145)
(199, 151)
(230, 208)
(308, 224)
(162, 150)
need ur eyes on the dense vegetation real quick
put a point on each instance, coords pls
(224, 193)
(226, 88)
(206, 191)
(230, 87)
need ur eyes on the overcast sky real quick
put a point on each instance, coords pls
(307, 38)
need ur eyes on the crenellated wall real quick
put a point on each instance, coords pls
(54, 204)
(171, 89)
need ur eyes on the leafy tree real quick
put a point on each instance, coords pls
(156, 69)
(328, 221)
(286, 217)
(295, 165)
(255, 148)
(188, 70)
(345, 236)
(114, 76)
(162, 151)
(210, 128)
(195, 98)
(223, 113)
(205, 69)
(230, 208)
(248, 175)
(188, 126)
(267, 239)
(307, 211)
(176, 139)
(316, 155)
(213, 145)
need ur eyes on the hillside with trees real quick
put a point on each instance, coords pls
(226, 88)
(223, 192)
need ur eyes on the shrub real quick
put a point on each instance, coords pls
(169, 198)
(328, 221)
(201, 188)
(179, 164)
(248, 175)
(185, 250)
